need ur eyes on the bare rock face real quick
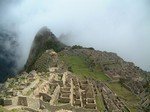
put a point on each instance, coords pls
(43, 41)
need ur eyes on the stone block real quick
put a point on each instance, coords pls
(22, 101)
(7, 102)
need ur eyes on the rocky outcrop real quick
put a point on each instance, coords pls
(43, 41)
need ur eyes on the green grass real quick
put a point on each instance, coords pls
(3, 110)
(16, 110)
(129, 98)
(100, 103)
(13, 110)
(29, 92)
(80, 67)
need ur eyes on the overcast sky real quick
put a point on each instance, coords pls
(120, 26)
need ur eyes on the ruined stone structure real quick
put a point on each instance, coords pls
(60, 91)
(115, 68)
(55, 90)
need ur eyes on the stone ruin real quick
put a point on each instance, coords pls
(111, 100)
(60, 90)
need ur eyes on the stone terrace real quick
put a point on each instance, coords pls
(59, 91)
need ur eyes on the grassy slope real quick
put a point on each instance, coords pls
(79, 66)
(100, 103)
(130, 99)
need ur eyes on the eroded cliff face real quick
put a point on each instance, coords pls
(43, 41)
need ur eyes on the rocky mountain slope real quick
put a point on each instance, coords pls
(75, 79)
(43, 41)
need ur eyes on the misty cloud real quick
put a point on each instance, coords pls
(8, 54)
(120, 26)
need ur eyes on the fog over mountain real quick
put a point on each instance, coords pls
(121, 26)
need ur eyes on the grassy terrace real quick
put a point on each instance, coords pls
(130, 99)
(79, 66)
(100, 103)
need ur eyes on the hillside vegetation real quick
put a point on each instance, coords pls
(80, 66)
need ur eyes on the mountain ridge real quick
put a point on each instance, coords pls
(76, 79)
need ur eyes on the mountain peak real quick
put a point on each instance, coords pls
(43, 41)
(44, 31)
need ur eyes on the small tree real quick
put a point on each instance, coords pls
(77, 47)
